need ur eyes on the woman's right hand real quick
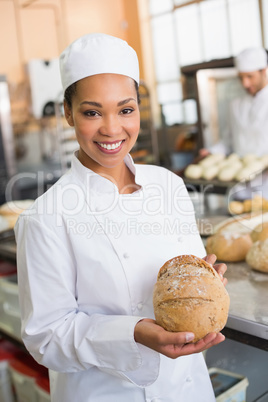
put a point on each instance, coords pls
(203, 152)
(172, 344)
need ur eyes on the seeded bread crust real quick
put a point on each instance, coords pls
(184, 260)
(189, 296)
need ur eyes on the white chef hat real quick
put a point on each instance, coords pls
(97, 53)
(251, 59)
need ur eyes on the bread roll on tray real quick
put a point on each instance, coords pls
(190, 296)
(260, 232)
(229, 247)
(257, 256)
(193, 171)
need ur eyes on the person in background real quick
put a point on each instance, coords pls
(248, 116)
(90, 248)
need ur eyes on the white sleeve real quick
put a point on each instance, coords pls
(55, 331)
(220, 148)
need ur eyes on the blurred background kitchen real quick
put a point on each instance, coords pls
(183, 108)
(186, 51)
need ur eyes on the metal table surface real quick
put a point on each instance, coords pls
(248, 314)
(248, 290)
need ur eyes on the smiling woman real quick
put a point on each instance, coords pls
(90, 248)
(105, 115)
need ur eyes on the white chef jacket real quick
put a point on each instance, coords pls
(88, 258)
(248, 126)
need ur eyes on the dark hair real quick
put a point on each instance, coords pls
(71, 91)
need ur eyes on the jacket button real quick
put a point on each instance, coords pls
(140, 305)
(126, 255)
(188, 379)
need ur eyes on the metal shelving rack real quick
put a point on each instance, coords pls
(146, 149)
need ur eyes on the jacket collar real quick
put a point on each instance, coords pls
(100, 184)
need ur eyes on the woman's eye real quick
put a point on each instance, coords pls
(91, 113)
(127, 110)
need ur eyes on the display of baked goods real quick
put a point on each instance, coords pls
(257, 203)
(190, 296)
(241, 238)
(227, 168)
(10, 211)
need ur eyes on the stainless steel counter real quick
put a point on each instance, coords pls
(248, 290)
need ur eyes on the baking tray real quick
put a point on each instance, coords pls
(222, 185)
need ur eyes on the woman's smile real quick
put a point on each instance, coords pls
(110, 147)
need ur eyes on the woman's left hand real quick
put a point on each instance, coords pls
(220, 268)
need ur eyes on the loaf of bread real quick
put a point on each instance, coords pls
(229, 171)
(236, 207)
(233, 157)
(257, 256)
(229, 247)
(249, 158)
(249, 171)
(260, 232)
(210, 172)
(242, 224)
(193, 171)
(190, 296)
(257, 203)
(211, 160)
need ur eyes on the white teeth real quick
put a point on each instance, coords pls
(110, 146)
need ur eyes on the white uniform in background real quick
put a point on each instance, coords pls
(88, 258)
(248, 134)
(248, 126)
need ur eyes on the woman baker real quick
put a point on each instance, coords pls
(90, 248)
